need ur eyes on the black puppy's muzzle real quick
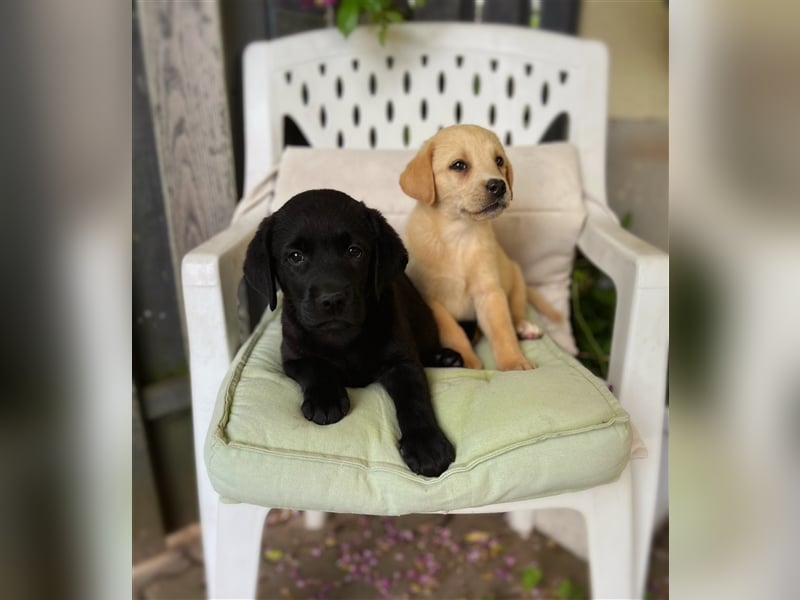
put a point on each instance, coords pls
(331, 302)
(331, 306)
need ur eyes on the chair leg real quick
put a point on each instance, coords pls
(522, 521)
(645, 474)
(609, 526)
(209, 512)
(239, 532)
(314, 519)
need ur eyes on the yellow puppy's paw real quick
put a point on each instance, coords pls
(519, 363)
(472, 362)
(528, 331)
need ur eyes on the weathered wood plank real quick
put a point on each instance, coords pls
(148, 527)
(182, 46)
(158, 345)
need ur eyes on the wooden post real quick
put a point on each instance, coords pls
(148, 526)
(184, 62)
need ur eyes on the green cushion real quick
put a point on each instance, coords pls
(518, 435)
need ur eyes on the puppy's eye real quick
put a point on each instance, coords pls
(499, 160)
(459, 165)
(354, 251)
(295, 257)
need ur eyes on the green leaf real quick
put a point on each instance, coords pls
(531, 577)
(606, 298)
(578, 593)
(626, 221)
(569, 591)
(579, 276)
(347, 16)
(564, 589)
(394, 17)
(372, 6)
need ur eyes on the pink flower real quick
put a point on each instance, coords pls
(317, 3)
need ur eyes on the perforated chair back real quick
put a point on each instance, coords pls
(525, 85)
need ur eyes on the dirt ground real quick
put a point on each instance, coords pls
(420, 556)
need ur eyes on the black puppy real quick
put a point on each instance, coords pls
(351, 316)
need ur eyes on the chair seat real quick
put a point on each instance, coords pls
(518, 435)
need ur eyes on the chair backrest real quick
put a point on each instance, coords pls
(357, 93)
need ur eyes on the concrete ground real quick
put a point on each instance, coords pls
(418, 556)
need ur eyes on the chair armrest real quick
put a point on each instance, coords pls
(637, 368)
(211, 274)
(638, 363)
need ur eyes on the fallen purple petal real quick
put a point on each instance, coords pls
(407, 557)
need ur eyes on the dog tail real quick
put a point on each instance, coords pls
(543, 306)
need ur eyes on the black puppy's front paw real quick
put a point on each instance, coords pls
(325, 406)
(427, 451)
(447, 358)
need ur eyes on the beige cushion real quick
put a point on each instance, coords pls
(539, 230)
(518, 435)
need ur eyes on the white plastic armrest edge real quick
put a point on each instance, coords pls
(618, 252)
(637, 369)
(638, 362)
(199, 266)
(210, 278)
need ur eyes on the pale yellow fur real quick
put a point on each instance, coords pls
(455, 260)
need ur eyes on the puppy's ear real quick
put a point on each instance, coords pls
(259, 270)
(510, 178)
(417, 178)
(390, 257)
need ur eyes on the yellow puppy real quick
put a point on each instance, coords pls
(462, 180)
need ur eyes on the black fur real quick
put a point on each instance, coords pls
(351, 316)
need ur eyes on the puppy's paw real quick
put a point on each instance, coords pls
(447, 358)
(528, 331)
(515, 363)
(427, 451)
(477, 364)
(325, 406)
(471, 361)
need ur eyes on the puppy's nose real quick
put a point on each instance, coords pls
(331, 302)
(496, 187)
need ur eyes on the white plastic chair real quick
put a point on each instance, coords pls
(357, 93)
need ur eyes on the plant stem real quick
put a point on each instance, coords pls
(602, 359)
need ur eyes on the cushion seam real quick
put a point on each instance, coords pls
(236, 378)
(452, 471)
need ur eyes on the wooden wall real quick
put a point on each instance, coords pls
(184, 192)
(183, 56)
